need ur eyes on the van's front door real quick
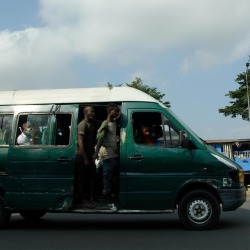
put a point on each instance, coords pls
(156, 165)
(41, 169)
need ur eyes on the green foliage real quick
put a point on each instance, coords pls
(138, 84)
(239, 104)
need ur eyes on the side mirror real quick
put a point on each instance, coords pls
(185, 142)
(182, 138)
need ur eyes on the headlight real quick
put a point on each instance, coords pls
(241, 177)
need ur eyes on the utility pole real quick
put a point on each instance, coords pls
(248, 98)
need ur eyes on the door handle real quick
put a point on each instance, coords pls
(64, 159)
(136, 157)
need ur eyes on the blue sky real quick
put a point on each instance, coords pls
(190, 50)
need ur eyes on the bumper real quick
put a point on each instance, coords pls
(232, 198)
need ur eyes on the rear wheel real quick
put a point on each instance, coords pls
(5, 214)
(199, 210)
(32, 214)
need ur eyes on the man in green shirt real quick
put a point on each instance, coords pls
(107, 150)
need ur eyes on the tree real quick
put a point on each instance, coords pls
(239, 105)
(138, 84)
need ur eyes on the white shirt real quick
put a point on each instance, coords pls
(23, 139)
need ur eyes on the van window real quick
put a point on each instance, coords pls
(171, 134)
(5, 128)
(63, 128)
(154, 129)
(43, 129)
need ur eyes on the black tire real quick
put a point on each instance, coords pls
(199, 210)
(32, 214)
(5, 214)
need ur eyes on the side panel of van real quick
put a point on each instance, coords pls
(40, 176)
(156, 172)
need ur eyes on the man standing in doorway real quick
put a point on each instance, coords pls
(107, 151)
(86, 169)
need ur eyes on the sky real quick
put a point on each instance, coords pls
(192, 51)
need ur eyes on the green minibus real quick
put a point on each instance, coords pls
(179, 172)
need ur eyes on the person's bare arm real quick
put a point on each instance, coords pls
(98, 146)
(82, 149)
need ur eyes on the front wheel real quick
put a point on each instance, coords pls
(5, 214)
(199, 210)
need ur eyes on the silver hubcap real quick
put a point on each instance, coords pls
(199, 211)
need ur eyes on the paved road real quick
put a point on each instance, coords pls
(122, 232)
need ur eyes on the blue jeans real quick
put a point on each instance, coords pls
(111, 175)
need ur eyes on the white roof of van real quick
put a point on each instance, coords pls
(73, 95)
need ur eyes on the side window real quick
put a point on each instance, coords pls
(5, 128)
(154, 129)
(43, 129)
(33, 129)
(171, 134)
(63, 128)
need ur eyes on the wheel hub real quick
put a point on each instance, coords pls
(199, 211)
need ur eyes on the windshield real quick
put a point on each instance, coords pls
(187, 127)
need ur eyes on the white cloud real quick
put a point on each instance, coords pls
(107, 33)
(140, 29)
(32, 56)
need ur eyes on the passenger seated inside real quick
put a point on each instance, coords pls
(157, 135)
(144, 135)
(27, 135)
